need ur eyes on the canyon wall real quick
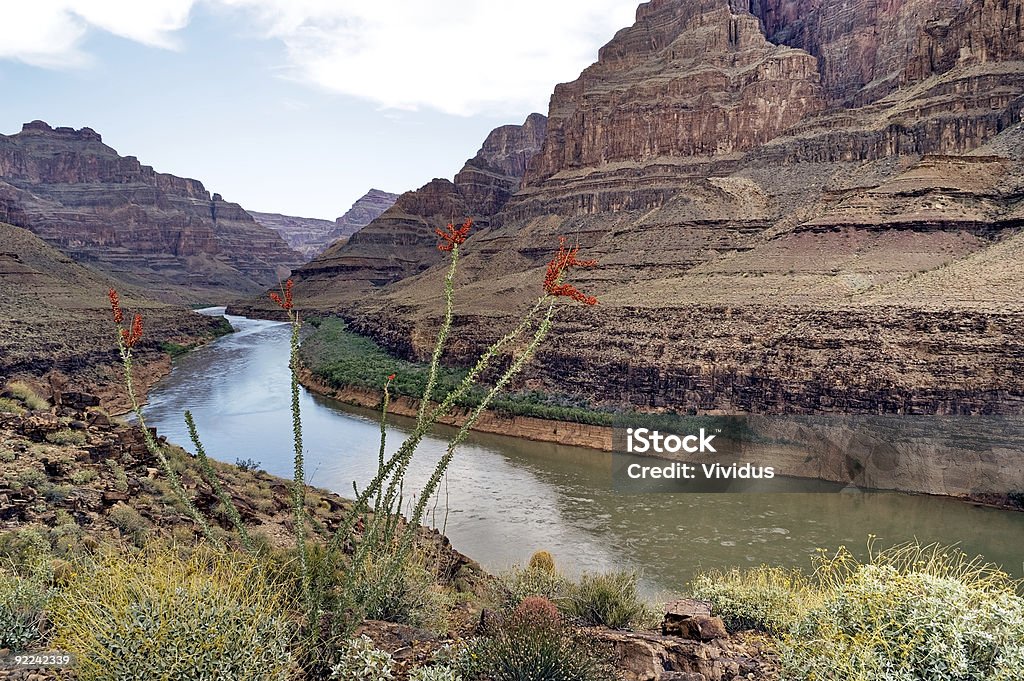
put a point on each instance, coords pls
(797, 206)
(159, 231)
(401, 242)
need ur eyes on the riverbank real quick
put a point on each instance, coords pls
(525, 427)
(792, 461)
(77, 489)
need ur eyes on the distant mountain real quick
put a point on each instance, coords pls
(364, 211)
(401, 241)
(310, 236)
(159, 231)
(307, 236)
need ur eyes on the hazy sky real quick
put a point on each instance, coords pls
(295, 106)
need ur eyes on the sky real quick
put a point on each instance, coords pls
(295, 106)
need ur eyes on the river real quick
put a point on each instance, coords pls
(506, 497)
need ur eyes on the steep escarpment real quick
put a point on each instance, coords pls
(159, 231)
(401, 241)
(797, 206)
(365, 210)
(306, 236)
(56, 320)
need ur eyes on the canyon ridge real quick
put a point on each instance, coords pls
(797, 206)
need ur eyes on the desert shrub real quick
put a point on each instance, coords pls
(247, 465)
(66, 436)
(129, 521)
(120, 477)
(519, 583)
(360, 660)
(160, 614)
(413, 597)
(27, 396)
(31, 477)
(56, 494)
(26, 550)
(609, 599)
(9, 406)
(534, 644)
(437, 672)
(22, 604)
(83, 476)
(765, 598)
(542, 560)
(910, 614)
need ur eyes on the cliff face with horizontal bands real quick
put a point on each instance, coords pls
(797, 205)
(159, 231)
(401, 241)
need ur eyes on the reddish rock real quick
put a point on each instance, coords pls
(113, 212)
(401, 241)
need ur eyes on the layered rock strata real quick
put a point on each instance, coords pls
(159, 231)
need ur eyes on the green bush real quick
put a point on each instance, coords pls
(130, 522)
(27, 550)
(765, 598)
(9, 406)
(120, 476)
(607, 599)
(83, 476)
(27, 396)
(31, 477)
(886, 625)
(22, 604)
(519, 583)
(162, 615)
(360, 660)
(534, 644)
(66, 436)
(414, 597)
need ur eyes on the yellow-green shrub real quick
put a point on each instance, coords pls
(766, 598)
(609, 599)
(9, 406)
(66, 436)
(912, 614)
(519, 583)
(542, 560)
(27, 396)
(413, 597)
(22, 601)
(158, 614)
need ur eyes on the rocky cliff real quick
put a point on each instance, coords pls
(365, 210)
(159, 231)
(311, 236)
(56, 319)
(306, 236)
(401, 241)
(798, 206)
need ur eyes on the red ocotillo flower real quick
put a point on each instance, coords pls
(563, 261)
(131, 336)
(392, 377)
(452, 236)
(286, 302)
(115, 305)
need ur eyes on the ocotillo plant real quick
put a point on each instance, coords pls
(385, 540)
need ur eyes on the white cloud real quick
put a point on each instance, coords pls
(457, 56)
